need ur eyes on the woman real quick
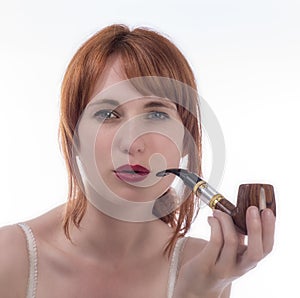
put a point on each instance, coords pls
(128, 109)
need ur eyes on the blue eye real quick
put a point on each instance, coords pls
(105, 114)
(158, 115)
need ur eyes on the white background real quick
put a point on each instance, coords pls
(245, 55)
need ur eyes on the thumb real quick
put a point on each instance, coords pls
(211, 251)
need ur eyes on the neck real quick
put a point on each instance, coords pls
(102, 235)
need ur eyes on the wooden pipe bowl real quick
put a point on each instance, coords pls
(260, 195)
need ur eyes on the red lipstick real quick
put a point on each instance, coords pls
(131, 173)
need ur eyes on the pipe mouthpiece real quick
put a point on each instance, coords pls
(162, 174)
(178, 172)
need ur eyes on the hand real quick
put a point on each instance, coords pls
(225, 257)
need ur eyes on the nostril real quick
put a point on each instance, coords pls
(124, 149)
(136, 146)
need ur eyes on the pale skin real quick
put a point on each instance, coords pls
(110, 258)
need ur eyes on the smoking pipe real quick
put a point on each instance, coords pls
(259, 195)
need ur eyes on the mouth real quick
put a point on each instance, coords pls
(132, 173)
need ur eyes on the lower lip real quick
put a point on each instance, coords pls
(128, 177)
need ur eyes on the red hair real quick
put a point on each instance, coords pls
(144, 53)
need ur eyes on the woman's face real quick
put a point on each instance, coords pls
(126, 138)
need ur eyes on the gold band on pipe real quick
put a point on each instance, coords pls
(214, 200)
(197, 185)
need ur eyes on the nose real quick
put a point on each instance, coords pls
(130, 138)
(132, 146)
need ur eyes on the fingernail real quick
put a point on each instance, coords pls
(254, 212)
(267, 212)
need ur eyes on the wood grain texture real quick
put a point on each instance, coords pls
(248, 195)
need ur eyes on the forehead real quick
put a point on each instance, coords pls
(113, 86)
(112, 74)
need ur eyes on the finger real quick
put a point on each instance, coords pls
(268, 229)
(229, 251)
(255, 251)
(211, 251)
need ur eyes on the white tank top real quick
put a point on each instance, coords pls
(33, 263)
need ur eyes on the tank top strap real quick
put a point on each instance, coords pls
(32, 254)
(175, 265)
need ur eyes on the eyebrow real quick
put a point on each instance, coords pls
(161, 103)
(152, 104)
(105, 101)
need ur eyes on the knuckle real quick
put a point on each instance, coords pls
(206, 269)
(268, 248)
(268, 251)
(223, 274)
(255, 258)
(255, 227)
(232, 241)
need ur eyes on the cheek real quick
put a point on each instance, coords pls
(165, 151)
(103, 145)
(172, 152)
(171, 142)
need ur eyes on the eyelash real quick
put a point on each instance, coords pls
(161, 115)
(107, 115)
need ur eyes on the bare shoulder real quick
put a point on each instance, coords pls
(14, 259)
(14, 262)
